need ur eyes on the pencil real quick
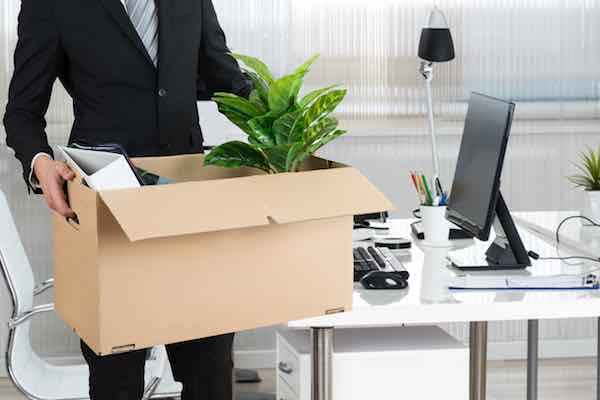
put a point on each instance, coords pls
(414, 181)
(421, 189)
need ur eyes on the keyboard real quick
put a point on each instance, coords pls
(368, 259)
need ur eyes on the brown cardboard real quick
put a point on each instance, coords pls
(220, 251)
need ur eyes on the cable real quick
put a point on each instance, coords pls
(594, 223)
(536, 256)
(587, 274)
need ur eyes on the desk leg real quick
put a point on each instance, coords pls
(532, 359)
(478, 360)
(322, 361)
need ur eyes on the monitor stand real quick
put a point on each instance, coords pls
(507, 252)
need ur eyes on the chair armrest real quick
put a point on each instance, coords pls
(19, 319)
(42, 287)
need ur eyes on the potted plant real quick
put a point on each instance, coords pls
(588, 179)
(283, 128)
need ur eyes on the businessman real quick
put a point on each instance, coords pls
(134, 69)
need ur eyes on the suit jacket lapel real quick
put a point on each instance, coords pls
(117, 12)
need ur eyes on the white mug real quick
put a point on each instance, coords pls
(435, 225)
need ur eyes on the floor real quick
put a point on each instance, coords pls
(572, 379)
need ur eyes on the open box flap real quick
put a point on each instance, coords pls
(217, 205)
(321, 194)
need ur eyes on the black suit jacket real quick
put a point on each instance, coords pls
(118, 94)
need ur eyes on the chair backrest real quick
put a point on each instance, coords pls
(15, 265)
(23, 364)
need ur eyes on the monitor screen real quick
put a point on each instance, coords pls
(476, 183)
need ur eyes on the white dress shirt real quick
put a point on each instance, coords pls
(32, 178)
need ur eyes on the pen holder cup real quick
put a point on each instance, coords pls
(435, 225)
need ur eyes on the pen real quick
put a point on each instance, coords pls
(444, 199)
(427, 191)
(438, 187)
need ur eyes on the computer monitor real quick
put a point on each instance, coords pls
(476, 203)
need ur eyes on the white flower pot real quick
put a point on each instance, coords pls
(591, 207)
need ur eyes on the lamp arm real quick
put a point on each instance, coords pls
(427, 72)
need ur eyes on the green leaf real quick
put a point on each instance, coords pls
(277, 156)
(258, 102)
(305, 68)
(257, 65)
(259, 85)
(312, 96)
(322, 107)
(300, 151)
(308, 129)
(297, 153)
(237, 118)
(238, 103)
(300, 73)
(323, 128)
(281, 94)
(283, 126)
(589, 170)
(324, 140)
(580, 180)
(262, 130)
(296, 86)
(237, 154)
(297, 132)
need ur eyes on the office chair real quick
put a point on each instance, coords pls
(33, 376)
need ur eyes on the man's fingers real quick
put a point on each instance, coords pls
(58, 203)
(65, 172)
(51, 175)
(48, 199)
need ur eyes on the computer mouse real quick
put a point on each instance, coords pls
(380, 280)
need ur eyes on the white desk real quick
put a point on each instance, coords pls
(574, 236)
(428, 301)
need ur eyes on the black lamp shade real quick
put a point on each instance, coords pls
(436, 45)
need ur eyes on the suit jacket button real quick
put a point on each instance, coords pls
(162, 92)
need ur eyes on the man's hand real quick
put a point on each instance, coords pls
(52, 175)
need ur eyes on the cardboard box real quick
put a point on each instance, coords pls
(220, 251)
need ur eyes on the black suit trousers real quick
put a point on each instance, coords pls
(203, 366)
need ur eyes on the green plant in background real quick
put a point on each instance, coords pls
(589, 168)
(283, 129)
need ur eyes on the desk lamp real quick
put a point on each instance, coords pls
(435, 46)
